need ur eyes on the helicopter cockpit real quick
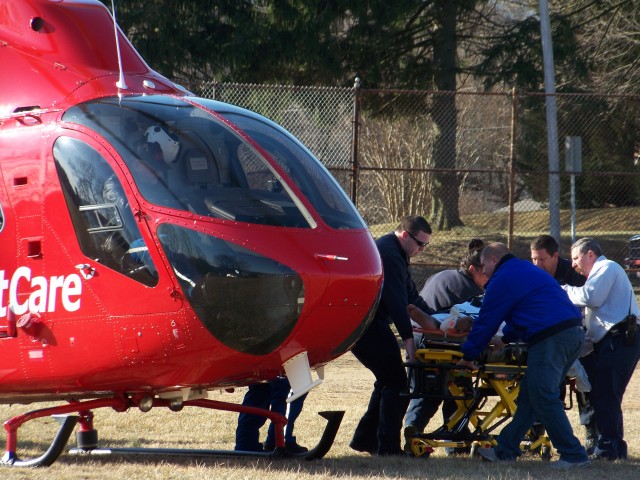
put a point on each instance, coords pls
(181, 157)
(186, 162)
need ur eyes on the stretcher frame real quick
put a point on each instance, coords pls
(435, 374)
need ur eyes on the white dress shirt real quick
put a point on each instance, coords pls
(607, 296)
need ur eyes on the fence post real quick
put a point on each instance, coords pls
(512, 167)
(354, 142)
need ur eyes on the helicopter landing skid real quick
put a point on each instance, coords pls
(88, 437)
(334, 418)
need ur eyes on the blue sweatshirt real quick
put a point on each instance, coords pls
(530, 302)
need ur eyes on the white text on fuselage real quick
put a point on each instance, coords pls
(43, 293)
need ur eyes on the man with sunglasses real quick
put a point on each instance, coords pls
(378, 432)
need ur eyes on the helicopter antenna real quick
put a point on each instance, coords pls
(120, 83)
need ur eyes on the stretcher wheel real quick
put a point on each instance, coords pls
(545, 453)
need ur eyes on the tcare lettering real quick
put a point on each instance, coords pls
(44, 293)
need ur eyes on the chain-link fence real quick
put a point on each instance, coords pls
(474, 164)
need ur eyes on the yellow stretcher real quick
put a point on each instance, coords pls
(485, 399)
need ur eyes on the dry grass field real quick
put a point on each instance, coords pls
(346, 387)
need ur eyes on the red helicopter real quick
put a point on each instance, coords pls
(156, 245)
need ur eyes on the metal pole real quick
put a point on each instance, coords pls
(573, 209)
(354, 142)
(512, 167)
(552, 121)
(573, 147)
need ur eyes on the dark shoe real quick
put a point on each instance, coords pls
(488, 454)
(605, 450)
(409, 432)
(293, 447)
(362, 447)
(599, 454)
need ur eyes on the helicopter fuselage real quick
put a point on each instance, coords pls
(152, 240)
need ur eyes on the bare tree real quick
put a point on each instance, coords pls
(607, 32)
(402, 147)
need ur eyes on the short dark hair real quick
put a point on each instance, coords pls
(472, 257)
(414, 224)
(545, 242)
(585, 244)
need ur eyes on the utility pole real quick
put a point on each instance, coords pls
(552, 121)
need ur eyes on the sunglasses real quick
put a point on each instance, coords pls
(420, 244)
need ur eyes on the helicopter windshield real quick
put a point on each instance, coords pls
(182, 157)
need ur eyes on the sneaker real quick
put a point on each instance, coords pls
(564, 465)
(488, 454)
(604, 454)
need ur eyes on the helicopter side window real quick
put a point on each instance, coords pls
(102, 219)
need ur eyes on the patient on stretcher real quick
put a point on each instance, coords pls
(456, 324)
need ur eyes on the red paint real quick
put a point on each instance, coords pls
(94, 328)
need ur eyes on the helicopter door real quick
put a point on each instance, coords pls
(8, 254)
(21, 195)
(110, 238)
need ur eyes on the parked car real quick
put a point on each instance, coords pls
(632, 262)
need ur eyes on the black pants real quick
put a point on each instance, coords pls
(379, 429)
(610, 367)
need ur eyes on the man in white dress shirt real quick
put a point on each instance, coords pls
(611, 312)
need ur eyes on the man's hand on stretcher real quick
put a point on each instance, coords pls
(468, 364)
(496, 344)
(422, 318)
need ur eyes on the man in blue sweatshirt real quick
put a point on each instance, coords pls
(535, 310)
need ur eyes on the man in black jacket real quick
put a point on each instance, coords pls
(544, 254)
(378, 432)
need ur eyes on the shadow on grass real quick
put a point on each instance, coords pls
(359, 466)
